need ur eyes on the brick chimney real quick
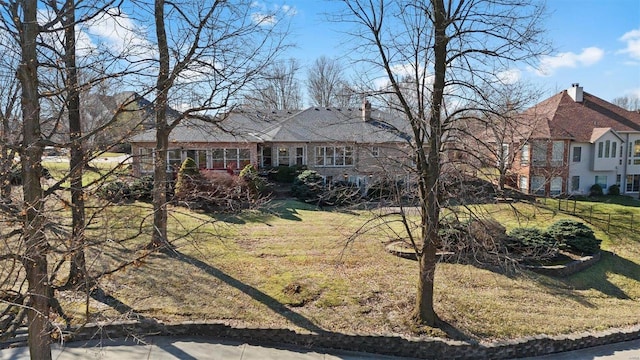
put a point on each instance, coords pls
(366, 110)
(575, 91)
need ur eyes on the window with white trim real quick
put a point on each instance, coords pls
(577, 153)
(174, 159)
(524, 155)
(602, 181)
(537, 185)
(633, 183)
(334, 155)
(557, 153)
(283, 156)
(147, 155)
(555, 186)
(575, 183)
(232, 158)
(539, 156)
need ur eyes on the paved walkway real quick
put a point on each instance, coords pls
(185, 348)
(192, 348)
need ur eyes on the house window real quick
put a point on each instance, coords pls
(524, 184)
(614, 149)
(539, 153)
(375, 151)
(265, 156)
(174, 159)
(283, 156)
(555, 186)
(244, 157)
(300, 156)
(537, 185)
(577, 153)
(633, 183)
(504, 155)
(233, 159)
(607, 148)
(217, 159)
(602, 181)
(557, 153)
(575, 183)
(618, 179)
(146, 159)
(524, 155)
(600, 149)
(199, 156)
(634, 151)
(334, 155)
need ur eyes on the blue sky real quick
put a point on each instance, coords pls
(596, 43)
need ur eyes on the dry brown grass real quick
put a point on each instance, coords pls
(293, 268)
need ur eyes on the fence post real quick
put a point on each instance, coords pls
(559, 204)
(574, 206)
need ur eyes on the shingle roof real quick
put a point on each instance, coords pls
(340, 125)
(310, 125)
(560, 117)
(237, 126)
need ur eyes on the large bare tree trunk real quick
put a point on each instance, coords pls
(77, 271)
(35, 260)
(159, 237)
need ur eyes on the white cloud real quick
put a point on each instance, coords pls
(263, 16)
(632, 38)
(510, 76)
(587, 57)
(117, 31)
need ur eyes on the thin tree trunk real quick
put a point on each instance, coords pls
(77, 271)
(35, 260)
(430, 173)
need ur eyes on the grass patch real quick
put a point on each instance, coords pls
(290, 266)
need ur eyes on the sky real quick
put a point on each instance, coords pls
(596, 44)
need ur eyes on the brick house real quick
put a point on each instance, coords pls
(578, 140)
(357, 145)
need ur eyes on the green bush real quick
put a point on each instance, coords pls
(308, 186)
(595, 190)
(614, 190)
(532, 243)
(115, 192)
(286, 174)
(574, 236)
(256, 184)
(188, 180)
(142, 188)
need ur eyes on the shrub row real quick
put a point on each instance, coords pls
(486, 241)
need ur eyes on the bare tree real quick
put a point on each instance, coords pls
(23, 27)
(276, 87)
(325, 82)
(451, 50)
(491, 138)
(631, 103)
(214, 49)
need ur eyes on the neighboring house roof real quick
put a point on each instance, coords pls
(310, 125)
(597, 133)
(560, 117)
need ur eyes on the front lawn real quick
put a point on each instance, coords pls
(292, 267)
